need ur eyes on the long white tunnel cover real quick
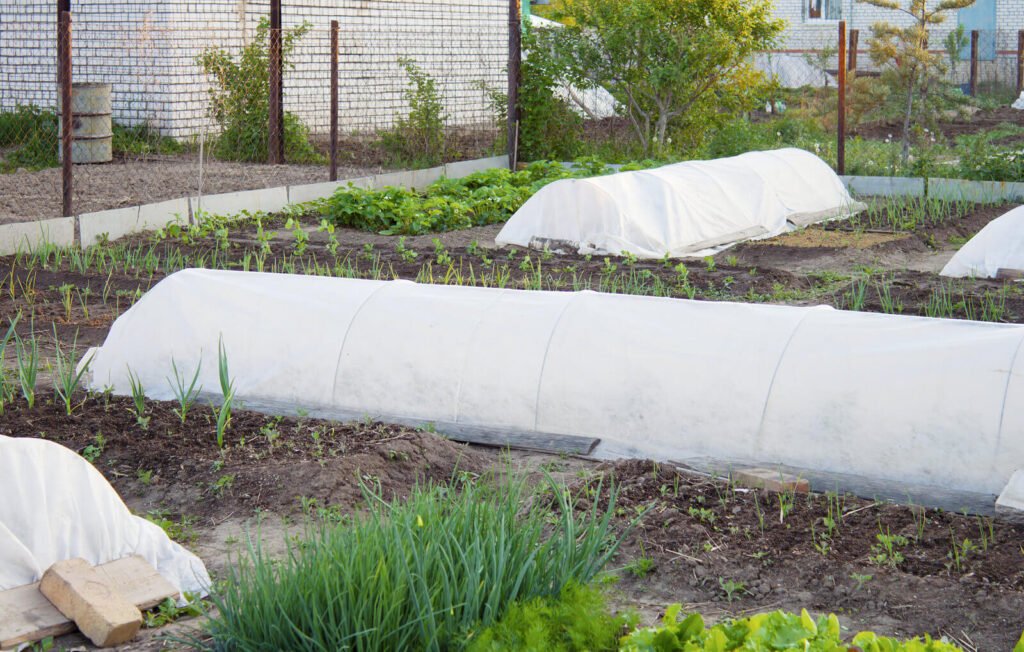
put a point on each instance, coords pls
(56, 506)
(1000, 245)
(907, 399)
(684, 209)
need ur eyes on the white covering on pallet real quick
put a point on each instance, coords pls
(931, 402)
(684, 209)
(56, 506)
(1000, 245)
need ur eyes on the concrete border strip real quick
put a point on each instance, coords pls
(119, 222)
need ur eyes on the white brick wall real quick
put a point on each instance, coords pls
(147, 50)
(804, 34)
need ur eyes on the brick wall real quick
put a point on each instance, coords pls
(147, 50)
(806, 34)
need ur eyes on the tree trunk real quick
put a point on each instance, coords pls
(905, 155)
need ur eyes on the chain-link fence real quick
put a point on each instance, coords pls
(176, 97)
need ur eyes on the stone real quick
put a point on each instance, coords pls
(99, 611)
(770, 479)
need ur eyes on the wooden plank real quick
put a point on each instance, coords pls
(26, 615)
(739, 236)
(1010, 274)
(469, 433)
(539, 441)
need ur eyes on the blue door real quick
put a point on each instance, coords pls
(982, 17)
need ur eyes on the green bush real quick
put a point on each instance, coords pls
(418, 574)
(418, 140)
(984, 162)
(240, 100)
(766, 632)
(577, 620)
(548, 127)
(32, 134)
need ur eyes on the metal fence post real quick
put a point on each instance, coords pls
(64, 74)
(334, 100)
(841, 122)
(974, 63)
(1020, 62)
(275, 142)
(851, 67)
(62, 6)
(515, 48)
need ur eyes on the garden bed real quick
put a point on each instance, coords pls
(708, 544)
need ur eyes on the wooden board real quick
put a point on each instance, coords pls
(1010, 274)
(468, 433)
(26, 615)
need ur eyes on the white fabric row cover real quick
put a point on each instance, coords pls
(683, 209)
(1000, 245)
(907, 399)
(56, 506)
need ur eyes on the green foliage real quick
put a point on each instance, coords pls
(486, 197)
(418, 574)
(676, 68)
(33, 134)
(982, 160)
(577, 620)
(910, 68)
(239, 99)
(549, 128)
(142, 139)
(765, 632)
(418, 140)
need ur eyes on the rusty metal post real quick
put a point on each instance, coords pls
(841, 123)
(515, 49)
(1020, 62)
(334, 100)
(64, 73)
(851, 67)
(275, 143)
(62, 6)
(974, 62)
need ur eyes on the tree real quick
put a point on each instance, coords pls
(903, 52)
(679, 65)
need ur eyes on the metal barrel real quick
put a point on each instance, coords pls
(92, 125)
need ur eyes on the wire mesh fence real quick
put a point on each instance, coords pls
(177, 97)
(183, 92)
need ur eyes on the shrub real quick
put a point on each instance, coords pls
(418, 140)
(983, 161)
(577, 620)
(549, 128)
(419, 574)
(33, 134)
(763, 633)
(240, 100)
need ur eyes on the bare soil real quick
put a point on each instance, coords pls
(985, 120)
(27, 196)
(715, 547)
(711, 546)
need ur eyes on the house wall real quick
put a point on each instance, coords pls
(147, 49)
(804, 35)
